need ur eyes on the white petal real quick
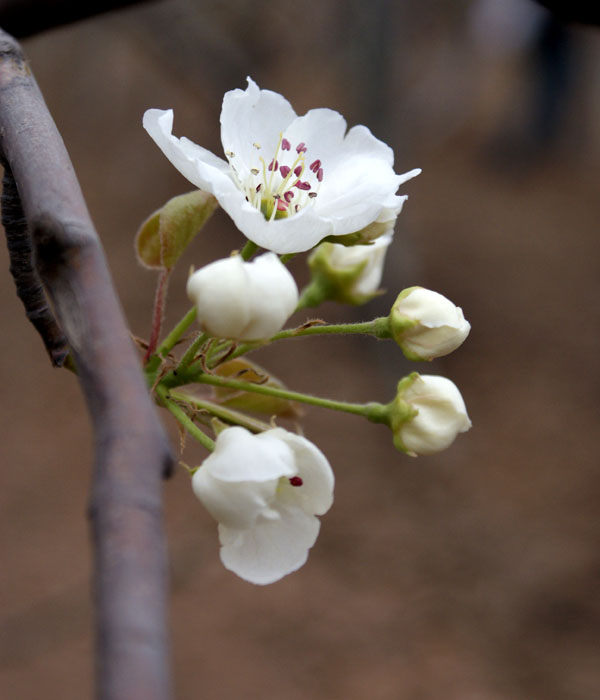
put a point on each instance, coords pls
(316, 493)
(253, 116)
(241, 456)
(274, 297)
(183, 153)
(236, 504)
(272, 549)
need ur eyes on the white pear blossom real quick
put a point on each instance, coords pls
(288, 181)
(264, 491)
(243, 300)
(430, 414)
(426, 324)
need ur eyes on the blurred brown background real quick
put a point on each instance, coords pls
(469, 576)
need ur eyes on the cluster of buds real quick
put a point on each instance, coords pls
(290, 184)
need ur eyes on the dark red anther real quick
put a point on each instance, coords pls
(273, 165)
(284, 170)
(285, 145)
(298, 170)
(281, 205)
(312, 195)
(288, 196)
(301, 147)
(320, 174)
(302, 185)
(258, 187)
(315, 165)
(296, 481)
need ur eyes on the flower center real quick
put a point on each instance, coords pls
(286, 184)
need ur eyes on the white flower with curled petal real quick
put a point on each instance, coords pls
(243, 300)
(265, 492)
(288, 181)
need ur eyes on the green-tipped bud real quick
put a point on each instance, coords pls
(349, 275)
(164, 235)
(426, 325)
(427, 414)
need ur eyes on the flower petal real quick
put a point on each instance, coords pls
(183, 153)
(274, 296)
(316, 493)
(253, 116)
(241, 456)
(272, 549)
(236, 504)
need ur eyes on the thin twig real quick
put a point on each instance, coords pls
(131, 450)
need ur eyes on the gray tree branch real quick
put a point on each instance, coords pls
(131, 450)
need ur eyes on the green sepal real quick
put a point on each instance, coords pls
(400, 326)
(164, 235)
(400, 411)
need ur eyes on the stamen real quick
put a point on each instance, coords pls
(273, 165)
(302, 185)
(320, 174)
(254, 171)
(285, 145)
(284, 170)
(289, 195)
(312, 195)
(259, 187)
(296, 481)
(298, 171)
(315, 165)
(281, 205)
(301, 147)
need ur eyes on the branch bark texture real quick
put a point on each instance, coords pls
(131, 450)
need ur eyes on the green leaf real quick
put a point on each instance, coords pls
(164, 235)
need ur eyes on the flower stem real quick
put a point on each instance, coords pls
(375, 412)
(378, 327)
(248, 250)
(159, 311)
(226, 414)
(180, 415)
(170, 341)
(192, 351)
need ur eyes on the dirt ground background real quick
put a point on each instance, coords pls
(472, 575)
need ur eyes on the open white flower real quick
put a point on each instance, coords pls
(429, 412)
(265, 491)
(288, 181)
(243, 300)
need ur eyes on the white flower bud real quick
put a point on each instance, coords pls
(349, 274)
(427, 415)
(426, 325)
(243, 300)
(265, 491)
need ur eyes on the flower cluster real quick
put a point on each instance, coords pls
(290, 184)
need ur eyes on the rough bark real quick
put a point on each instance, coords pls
(131, 451)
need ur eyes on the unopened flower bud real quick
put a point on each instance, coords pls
(346, 274)
(426, 325)
(243, 300)
(427, 414)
